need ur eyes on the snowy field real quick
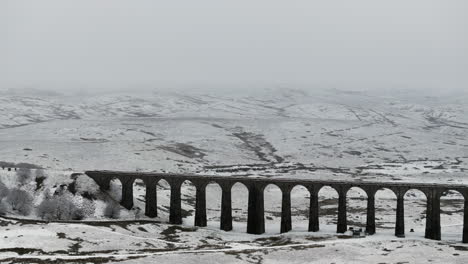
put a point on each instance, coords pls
(329, 134)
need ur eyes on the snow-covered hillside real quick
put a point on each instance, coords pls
(272, 133)
(333, 132)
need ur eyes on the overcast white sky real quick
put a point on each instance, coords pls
(349, 44)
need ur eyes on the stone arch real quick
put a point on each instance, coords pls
(416, 193)
(415, 207)
(452, 215)
(238, 184)
(163, 197)
(115, 189)
(102, 181)
(240, 194)
(188, 198)
(139, 197)
(356, 198)
(163, 184)
(213, 203)
(177, 187)
(272, 205)
(300, 203)
(328, 206)
(385, 209)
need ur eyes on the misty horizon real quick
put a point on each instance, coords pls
(123, 45)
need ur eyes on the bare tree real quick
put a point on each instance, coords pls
(86, 187)
(47, 209)
(3, 208)
(24, 175)
(87, 207)
(20, 201)
(40, 178)
(59, 208)
(4, 191)
(112, 210)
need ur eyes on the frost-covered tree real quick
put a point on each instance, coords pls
(112, 210)
(20, 201)
(57, 208)
(47, 209)
(4, 191)
(3, 208)
(23, 176)
(86, 187)
(66, 209)
(65, 206)
(87, 207)
(40, 178)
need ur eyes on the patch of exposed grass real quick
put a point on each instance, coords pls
(170, 233)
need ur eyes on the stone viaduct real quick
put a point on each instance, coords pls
(255, 212)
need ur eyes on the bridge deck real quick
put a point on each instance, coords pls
(273, 180)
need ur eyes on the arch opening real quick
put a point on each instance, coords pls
(385, 210)
(115, 189)
(328, 208)
(188, 199)
(300, 203)
(415, 204)
(139, 198)
(240, 200)
(452, 205)
(213, 204)
(356, 208)
(112, 204)
(163, 196)
(272, 204)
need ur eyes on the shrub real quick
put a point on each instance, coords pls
(3, 190)
(3, 208)
(86, 187)
(20, 201)
(84, 207)
(40, 178)
(46, 209)
(112, 210)
(66, 209)
(62, 189)
(47, 193)
(23, 175)
(87, 207)
(60, 207)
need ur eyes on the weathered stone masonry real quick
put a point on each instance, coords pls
(256, 186)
